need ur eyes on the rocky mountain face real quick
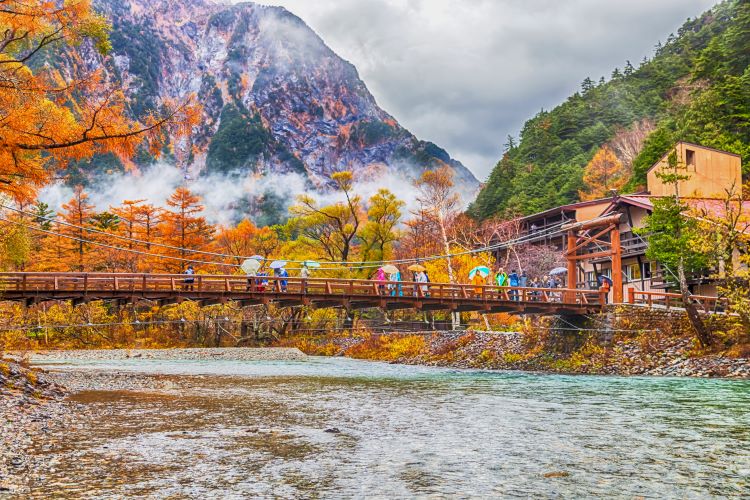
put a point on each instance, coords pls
(275, 98)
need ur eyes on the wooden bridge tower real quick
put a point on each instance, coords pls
(583, 234)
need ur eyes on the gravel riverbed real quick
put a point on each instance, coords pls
(187, 354)
(33, 402)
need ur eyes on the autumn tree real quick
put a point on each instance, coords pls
(47, 120)
(184, 228)
(246, 239)
(77, 214)
(724, 235)
(439, 202)
(16, 246)
(331, 228)
(380, 231)
(602, 174)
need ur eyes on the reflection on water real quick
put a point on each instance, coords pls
(235, 429)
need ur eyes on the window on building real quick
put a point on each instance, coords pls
(646, 270)
(690, 158)
(633, 272)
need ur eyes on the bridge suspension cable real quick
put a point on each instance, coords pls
(328, 265)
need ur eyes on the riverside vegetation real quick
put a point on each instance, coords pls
(349, 229)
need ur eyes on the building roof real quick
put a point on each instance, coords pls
(715, 207)
(566, 208)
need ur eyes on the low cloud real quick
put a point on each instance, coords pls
(467, 74)
(227, 197)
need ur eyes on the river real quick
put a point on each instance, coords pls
(332, 427)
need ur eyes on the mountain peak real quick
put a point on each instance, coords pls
(275, 97)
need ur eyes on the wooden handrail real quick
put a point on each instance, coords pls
(176, 285)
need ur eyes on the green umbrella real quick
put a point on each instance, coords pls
(312, 264)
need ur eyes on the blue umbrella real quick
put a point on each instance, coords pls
(258, 257)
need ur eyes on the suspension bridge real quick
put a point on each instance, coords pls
(349, 294)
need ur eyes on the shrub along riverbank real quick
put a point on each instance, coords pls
(632, 345)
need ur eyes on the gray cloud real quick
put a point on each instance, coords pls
(466, 73)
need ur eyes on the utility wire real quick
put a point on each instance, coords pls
(349, 265)
(327, 265)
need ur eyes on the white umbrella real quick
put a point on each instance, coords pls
(312, 264)
(559, 270)
(277, 264)
(250, 266)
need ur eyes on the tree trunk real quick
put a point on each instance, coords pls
(455, 316)
(692, 311)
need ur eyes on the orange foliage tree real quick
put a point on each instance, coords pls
(185, 229)
(603, 173)
(47, 119)
(77, 214)
(246, 239)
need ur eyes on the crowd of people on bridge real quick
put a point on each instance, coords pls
(389, 281)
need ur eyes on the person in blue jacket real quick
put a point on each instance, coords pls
(513, 282)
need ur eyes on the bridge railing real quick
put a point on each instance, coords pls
(181, 284)
(674, 300)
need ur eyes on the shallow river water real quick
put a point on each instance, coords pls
(264, 429)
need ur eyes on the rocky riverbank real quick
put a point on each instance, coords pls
(186, 354)
(646, 354)
(30, 407)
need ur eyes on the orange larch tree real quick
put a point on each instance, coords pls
(184, 228)
(77, 214)
(246, 239)
(603, 174)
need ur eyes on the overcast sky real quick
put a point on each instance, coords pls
(466, 73)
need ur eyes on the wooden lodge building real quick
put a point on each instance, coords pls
(712, 173)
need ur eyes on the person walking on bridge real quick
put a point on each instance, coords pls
(513, 283)
(381, 279)
(397, 289)
(422, 278)
(478, 281)
(190, 272)
(501, 277)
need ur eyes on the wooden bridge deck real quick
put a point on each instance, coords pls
(351, 294)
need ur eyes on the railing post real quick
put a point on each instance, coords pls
(667, 301)
(631, 295)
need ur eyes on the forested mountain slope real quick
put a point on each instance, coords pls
(696, 88)
(275, 97)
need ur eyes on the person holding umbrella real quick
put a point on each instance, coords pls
(280, 272)
(251, 267)
(394, 275)
(380, 278)
(478, 277)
